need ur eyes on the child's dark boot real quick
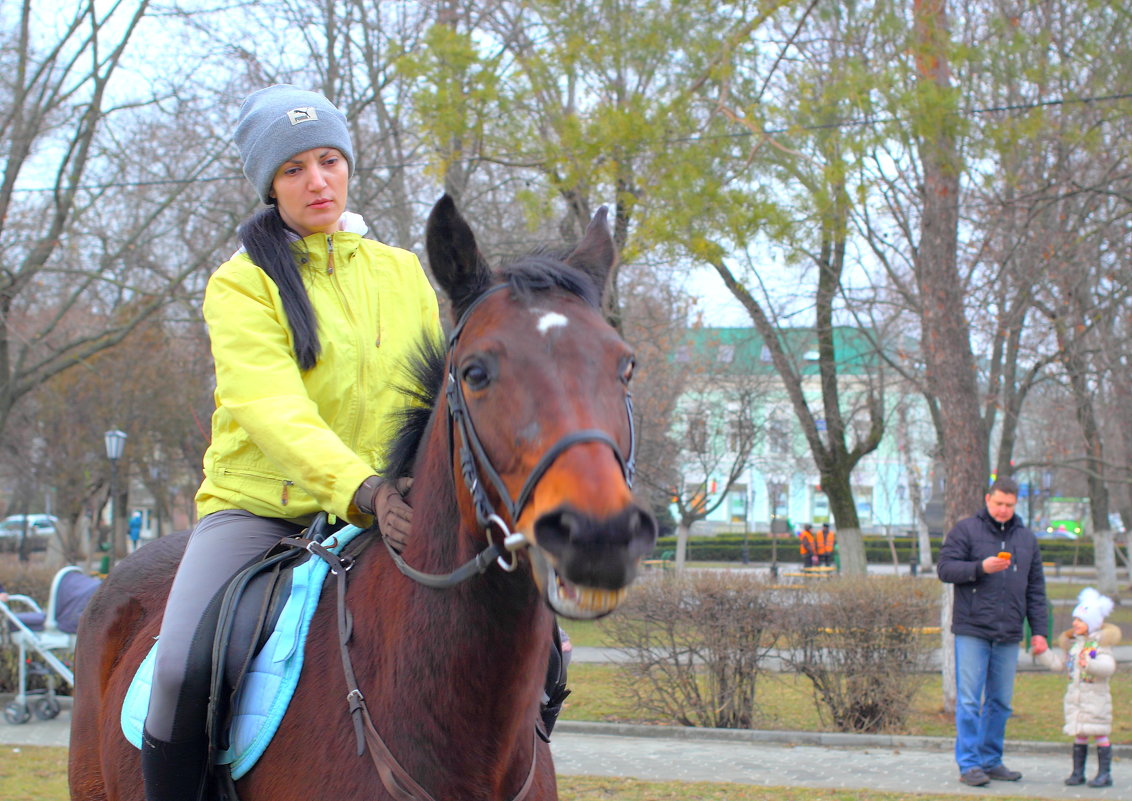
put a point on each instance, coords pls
(1080, 750)
(1104, 767)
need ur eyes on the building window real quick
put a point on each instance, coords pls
(778, 437)
(741, 434)
(697, 433)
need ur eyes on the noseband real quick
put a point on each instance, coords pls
(472, 450)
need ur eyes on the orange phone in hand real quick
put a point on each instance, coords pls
(1003, 554)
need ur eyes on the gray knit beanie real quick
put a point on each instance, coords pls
(281, 121)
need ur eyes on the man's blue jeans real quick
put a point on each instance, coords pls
(985, 684)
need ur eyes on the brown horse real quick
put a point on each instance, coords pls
(526, 436)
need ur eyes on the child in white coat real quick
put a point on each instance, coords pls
(1088, 661)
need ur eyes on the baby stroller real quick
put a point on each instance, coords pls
(43, 633)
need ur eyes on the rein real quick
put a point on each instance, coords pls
(395, 778)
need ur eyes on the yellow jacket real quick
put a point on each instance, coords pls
(287, 443)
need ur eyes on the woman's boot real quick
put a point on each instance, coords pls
(1104, 767)
(173, 771)
(1080, 750)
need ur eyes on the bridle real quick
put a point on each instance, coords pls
(474, 461)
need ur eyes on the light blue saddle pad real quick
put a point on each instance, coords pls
(271, 679)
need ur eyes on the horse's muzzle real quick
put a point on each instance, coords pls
(587, 563)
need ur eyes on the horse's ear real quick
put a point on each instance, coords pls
(595, 254)
(454, 256)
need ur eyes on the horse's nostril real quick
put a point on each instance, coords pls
(570, 524)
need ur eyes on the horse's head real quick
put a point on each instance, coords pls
(537, 388)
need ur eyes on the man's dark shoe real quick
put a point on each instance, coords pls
(976, 777)
(1002, 773)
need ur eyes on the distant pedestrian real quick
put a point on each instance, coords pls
(567, 647)
(1088, 661)
(824, 541)
(996, 566)
(807, 546)
(135, 531)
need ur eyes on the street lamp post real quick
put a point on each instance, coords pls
(115, 443)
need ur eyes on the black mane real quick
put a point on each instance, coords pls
(422, 377)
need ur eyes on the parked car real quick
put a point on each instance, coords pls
(1054, 534)
(40, 529)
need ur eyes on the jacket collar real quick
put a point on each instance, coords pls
(349, 222)
(1107, 636)
(1004, 528)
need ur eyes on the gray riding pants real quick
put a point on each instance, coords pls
(220, 545)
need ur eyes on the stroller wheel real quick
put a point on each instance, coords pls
(16, 713)
(47, 708)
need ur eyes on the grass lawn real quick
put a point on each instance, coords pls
(786, 704)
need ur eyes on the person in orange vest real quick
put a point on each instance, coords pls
(807, 546)
(824, 540)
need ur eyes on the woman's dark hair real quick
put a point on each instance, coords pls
(268, 241)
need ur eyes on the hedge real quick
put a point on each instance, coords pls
(729, 548)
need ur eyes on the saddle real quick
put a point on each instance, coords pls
(257, 654)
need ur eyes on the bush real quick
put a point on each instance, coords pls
(696, 646)
(861, 645)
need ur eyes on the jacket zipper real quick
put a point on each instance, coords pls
(284, 494)
(359, 339)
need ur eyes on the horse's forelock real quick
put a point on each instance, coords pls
(545, 271)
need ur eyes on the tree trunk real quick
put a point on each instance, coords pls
(1077, 367)
(947, 648)
(850, 544)
(1104, 556)
(923, 536)
(949, 362)
(945, 334)
(682, 531)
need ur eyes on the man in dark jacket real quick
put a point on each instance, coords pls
(996, 566)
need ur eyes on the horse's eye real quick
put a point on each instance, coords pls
(627, 365)
(476, 376)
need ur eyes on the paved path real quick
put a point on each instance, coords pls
(899, 765)
(792, 759)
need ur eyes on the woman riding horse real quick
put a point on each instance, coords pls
(307, 323)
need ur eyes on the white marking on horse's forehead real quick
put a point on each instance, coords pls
(549, 319)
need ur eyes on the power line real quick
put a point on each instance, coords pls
(849, 123)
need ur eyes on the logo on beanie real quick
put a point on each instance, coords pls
(303, 114)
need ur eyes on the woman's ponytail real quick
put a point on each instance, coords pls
(268, 241)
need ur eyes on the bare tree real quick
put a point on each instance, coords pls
(68, 254)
